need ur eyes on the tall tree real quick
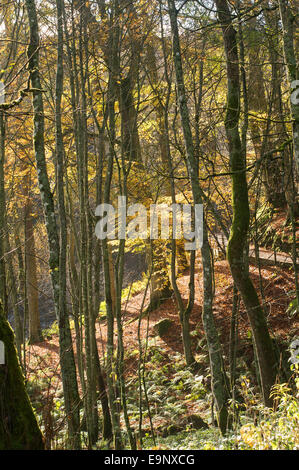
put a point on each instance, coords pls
(289, 18)
(67, 362)
(219, 381)
(35, 334)
(241, 214)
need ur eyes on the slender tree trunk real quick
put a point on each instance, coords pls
(219, 380)
(238, 236)
(35, 334)
(110, 369)
(288, 20)
(184, 313)
(67, 362)
(107, 424)
(3, 293)
(11, 280)
(91, 409)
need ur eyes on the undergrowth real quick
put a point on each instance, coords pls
(170, 395)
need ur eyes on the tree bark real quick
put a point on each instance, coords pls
(67, 361)
(238, 235)
(219, 381)
(288, 20)
(35, 333)
(18, 426)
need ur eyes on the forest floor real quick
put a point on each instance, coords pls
(278, 291)
(278, 287)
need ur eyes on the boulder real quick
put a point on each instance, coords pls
(162, 326)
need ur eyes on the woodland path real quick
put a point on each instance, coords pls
(266, 257)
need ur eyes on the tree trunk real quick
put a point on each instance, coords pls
(18, 426)
(67, 361)
(219, 380)
(288, 19)
(3, 293)
(35, 334)
(238, 236)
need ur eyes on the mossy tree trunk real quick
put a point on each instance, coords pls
(108, 272)
(160, 288)
(288, 19)
(3, 292)
(67, 361)
(178, 254)
(238, 236)
(18, 426)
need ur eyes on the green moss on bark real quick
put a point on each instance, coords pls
(18, 426)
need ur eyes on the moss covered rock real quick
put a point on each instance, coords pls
(162, 326)
(197, 422)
